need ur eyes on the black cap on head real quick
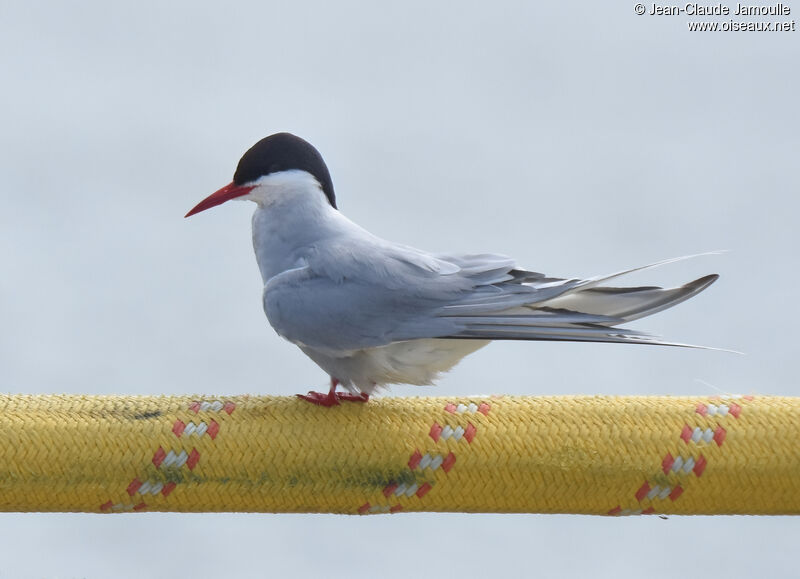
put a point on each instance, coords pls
(282, 152)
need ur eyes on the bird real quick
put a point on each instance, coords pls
(372, 313)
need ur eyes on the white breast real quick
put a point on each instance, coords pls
(418, 362)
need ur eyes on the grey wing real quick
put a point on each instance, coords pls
(527, 305)
(356, 291)
(348, 314)
(367, 293)
(402, 294)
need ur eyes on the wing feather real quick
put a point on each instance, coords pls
(366, 292)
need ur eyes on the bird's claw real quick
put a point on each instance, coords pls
(348, 397)
(320, 399)
(332, 398)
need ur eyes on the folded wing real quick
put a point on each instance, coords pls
(350, 297)
(530, 306)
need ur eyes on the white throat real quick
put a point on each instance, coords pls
(293, 214)
(286, 186)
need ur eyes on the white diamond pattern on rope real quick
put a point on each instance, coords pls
(683, 465)
(470, 408)
(698, 434)
(212, 406)
(431, 462)
(659, 492)
(173, 459)
(150, 488)
(198, 429)
(456, 433)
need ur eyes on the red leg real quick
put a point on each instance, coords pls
(332, 398)
(348, 397)
(320, 399)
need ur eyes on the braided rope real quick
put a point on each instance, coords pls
(560, 454)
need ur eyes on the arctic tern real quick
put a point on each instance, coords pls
(371, 312)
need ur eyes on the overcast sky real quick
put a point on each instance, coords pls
(577, 137)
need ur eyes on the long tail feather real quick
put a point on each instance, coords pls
(542, 308)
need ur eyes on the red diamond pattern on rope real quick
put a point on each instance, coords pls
(172, 458)
(683, 465)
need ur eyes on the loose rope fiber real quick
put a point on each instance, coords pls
(562, 454)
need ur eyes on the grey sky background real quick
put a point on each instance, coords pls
(577, 137)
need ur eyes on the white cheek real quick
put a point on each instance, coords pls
(282, 187)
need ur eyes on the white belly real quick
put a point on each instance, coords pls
(411, 362)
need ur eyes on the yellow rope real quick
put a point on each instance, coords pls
(561, 454)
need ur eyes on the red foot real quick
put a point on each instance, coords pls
(348, 397)
(320, 399)
(332, 398)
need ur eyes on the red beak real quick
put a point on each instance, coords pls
(228, 192)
